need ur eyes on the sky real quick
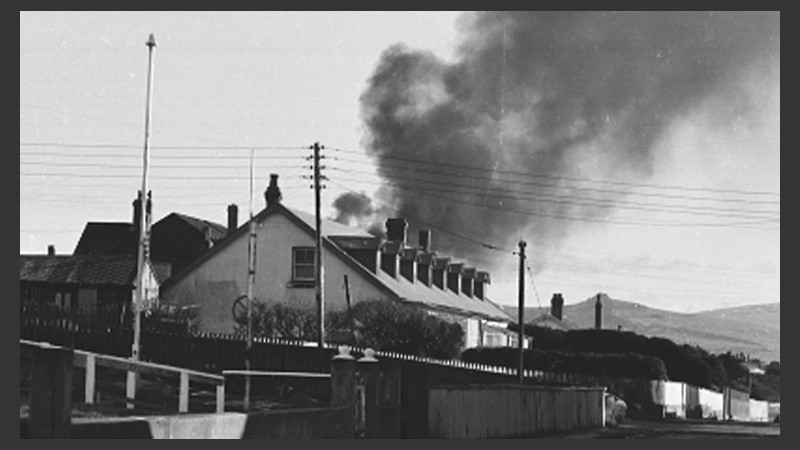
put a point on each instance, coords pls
(632, 159)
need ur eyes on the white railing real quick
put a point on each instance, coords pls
(90, 361)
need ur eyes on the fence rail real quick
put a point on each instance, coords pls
(90, 361)
(215, 352)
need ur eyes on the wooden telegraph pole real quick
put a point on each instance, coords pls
(141, 274)
(320, 281)
(521, 331)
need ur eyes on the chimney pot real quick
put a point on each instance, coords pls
(51, 250)
(396, 229)
(273, 193)
(233, 218)
(425, 240)
(557, 306)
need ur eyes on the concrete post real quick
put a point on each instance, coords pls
(343, 378)
(368, 370)
(51, 390)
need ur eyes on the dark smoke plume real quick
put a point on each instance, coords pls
(555, 94)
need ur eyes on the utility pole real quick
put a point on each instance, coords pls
(251, 279)
(320, 281)
(143, 230)
(521, 331)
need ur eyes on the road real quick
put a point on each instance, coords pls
(679, 429)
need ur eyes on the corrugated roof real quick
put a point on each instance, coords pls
(81, 270)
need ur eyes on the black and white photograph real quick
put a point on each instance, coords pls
(399, 224)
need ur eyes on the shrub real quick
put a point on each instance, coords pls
(393, 326)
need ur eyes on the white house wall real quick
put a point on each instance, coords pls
(218, 281)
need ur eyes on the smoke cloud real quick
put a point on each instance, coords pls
(557, 95)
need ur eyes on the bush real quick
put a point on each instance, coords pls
(280, 321)
(393, 326)
(381, 325)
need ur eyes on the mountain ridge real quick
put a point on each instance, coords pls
(752, 329)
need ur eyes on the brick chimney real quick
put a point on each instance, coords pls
(233, 218)
(390, 257)
(425, 268)
(454, 272)
(273, 193)
(408, 264)
(598, 314)
(468, 281)
(51, 250)
(439, 269)
(557, 306)
(396, 230)
(481, 280)
(425, 240)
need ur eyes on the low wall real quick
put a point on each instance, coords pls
(710, 404)
(511, 410)
(311, 423)
(774, 410)
(759, 411)
(736, 405)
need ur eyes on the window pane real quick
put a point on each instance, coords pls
(304, 272)
(304, 256)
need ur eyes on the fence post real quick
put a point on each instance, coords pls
(368, 369)
(343, 381)
(50, 392)
(88, 394)
(221, 397)
(183, 395)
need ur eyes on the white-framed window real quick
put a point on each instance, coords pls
(303, 263)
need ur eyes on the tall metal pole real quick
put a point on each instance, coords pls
(521, 331)
(320, 281)
(251, 279)
(143, 229)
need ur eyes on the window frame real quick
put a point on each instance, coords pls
(298, 281)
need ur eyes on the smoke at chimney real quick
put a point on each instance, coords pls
(558, 94)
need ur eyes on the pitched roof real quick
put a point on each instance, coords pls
(106, 239)
(217, 231)
(398, 288)
(85, 270)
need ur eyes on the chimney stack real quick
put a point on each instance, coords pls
(136, 205)
(408, 264)
(425, 240)
(396, 230)
(51, 250)
(481, 280)
(598, 314)
(273, 193)
(557, 306)
(454, 272)
(233, 218)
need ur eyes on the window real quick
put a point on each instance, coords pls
(303, 263)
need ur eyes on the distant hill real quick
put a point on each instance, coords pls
(754, 330)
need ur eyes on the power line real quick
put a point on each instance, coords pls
(521, 196)
(467, 238)
(164, 147)
(428, 193)
(567, 178)
(493, 180)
